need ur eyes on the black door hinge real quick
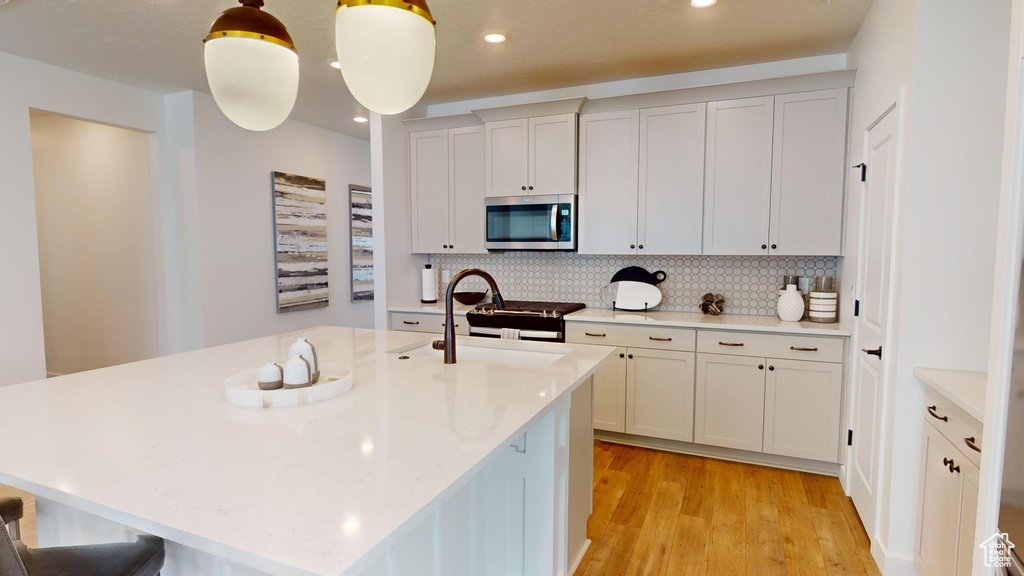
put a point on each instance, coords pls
(863, 171)
(849, 437)
(856, 307)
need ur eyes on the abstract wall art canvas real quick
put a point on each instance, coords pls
(361, 202)
(300, 230)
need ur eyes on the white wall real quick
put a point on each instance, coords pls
(96, 248)
(28, 84)
(234, 211)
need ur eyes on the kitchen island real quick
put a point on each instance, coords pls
(421, 468)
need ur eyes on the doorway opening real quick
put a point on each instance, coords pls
(97, 259)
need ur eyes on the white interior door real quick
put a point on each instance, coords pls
(873, 292)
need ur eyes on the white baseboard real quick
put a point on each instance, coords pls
(890, 564)
(579, 558)
(52, 375)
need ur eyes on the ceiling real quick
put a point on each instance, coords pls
(157, 44)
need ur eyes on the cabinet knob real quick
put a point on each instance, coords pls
(774, 246)
(953, 467)
(641, 246)
(764, 246)
(531, 187)
(632, 246)
(772, 368)
(524, 187)
(451, 246)
(630, 356)
(760, 366)
(622, 355)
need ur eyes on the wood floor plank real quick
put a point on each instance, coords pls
(636, 500)
(654, 543)
(607, 495)
(728, 526)
(814, 490)
(765, 554)
(799, 538)
(618, 549)
(604, 453)
(629, 459)
(699, 498)
(690, 547)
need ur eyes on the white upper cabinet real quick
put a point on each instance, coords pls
(507, 157)
(531, 156)
(553, 155)
(808, 165)
(428, 163)
(446, 179)
(609, 153)
(671, 187)
(467, 226)
(738, 176)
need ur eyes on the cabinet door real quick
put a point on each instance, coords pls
(506, 144)
(968, 514)
(466, 185)
(729, 409)
(609, 155)
(801, 409)
(938, 513)
(738, 176)
(808, 165)
(659, 394)
(671, 180)
(428, 185)
(553, 154)
(610, 394)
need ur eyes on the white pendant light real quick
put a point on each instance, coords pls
(252, 67)
(386, 51)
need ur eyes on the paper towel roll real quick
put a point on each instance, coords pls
(429, 285)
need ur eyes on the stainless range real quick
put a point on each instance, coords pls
(538, 321)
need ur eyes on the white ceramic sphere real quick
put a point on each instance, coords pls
(254, 82)
(386, 55)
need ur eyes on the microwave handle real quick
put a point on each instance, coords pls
(554, 223)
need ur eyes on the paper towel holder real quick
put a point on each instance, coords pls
(429, 287)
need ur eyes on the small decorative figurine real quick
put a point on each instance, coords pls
(712, 304)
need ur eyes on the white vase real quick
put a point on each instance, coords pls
(791, 304)
(297, 373)
(304, 348)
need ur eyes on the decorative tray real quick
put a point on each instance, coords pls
(242, 389)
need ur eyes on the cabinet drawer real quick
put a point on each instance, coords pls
(431, 323)
(953, 423)
(784, 346)
(631, 335)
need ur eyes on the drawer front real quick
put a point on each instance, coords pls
(955, 424)
(631, 336)
(784, 346)
(430, 323)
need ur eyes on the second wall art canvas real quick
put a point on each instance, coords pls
(300, 230)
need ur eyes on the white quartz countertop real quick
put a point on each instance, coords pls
(311, 490)
(965, 389)
(737, 322)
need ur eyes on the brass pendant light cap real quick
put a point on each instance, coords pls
(417, 7)
(248, 21)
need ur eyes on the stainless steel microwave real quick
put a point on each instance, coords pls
(531, 222)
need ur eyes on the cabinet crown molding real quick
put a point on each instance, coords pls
(441, 122)
(549, 108)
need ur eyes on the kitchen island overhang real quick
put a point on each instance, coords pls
(324, 489)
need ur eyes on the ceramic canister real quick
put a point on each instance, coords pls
(305, 349)
(791, 304)
(297, 373)
(271, 377)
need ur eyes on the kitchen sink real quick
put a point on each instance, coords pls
(519, 355)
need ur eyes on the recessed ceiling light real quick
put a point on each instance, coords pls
(333, 62)
(361, 119)
(701, 3)
(494, 37)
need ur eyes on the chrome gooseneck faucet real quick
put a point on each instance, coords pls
(449, 317)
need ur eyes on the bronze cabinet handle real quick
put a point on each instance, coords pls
(971, 444)
(931, 411)
(801, 349)
(595, 335)
(730, 343)
(410, 323)
(659, 339)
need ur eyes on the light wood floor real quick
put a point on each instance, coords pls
(662, 513)
(28, 524)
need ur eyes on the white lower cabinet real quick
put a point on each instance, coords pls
(802, 409)
(730, 401)
(947, 507)
(610, 394)
(659, 393)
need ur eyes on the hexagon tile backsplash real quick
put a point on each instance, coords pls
(749, 283)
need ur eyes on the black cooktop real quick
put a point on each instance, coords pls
(549, 309)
